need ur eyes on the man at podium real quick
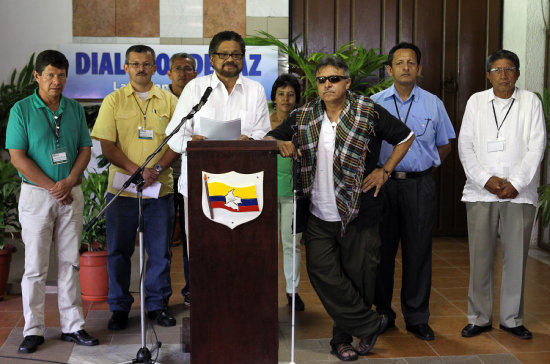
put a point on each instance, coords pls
(338, 138)
(232, 97)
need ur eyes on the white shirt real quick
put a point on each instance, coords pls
(323, 198)
(247, 101)
(522, 137)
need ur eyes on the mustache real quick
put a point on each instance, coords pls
(230, 64)
(142, 73)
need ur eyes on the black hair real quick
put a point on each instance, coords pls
(286, 79)
(500, 54)
(222, 37)
(51, 57)
(140, 48)
(404, 45)
(333, 61)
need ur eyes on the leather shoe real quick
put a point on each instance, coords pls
(472, 330)
(80, 337)
(30, 344)
(367, 343)
(118, 321)
(421, 331)
(518, 331)
(163, 317)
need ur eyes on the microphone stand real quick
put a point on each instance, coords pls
(144, 354)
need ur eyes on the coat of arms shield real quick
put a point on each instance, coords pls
(232, 198)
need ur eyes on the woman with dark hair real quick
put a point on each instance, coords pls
(285, 95)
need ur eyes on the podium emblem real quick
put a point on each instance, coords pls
(232, 198)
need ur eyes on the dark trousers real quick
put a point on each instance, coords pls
(342, 271)
(409, 214)
(179, 206)
(122, 224)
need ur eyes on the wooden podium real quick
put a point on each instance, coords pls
(233, 272)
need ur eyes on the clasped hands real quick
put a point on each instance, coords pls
(501, 187)
(61, 190)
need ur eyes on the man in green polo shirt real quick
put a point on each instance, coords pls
(50, 146)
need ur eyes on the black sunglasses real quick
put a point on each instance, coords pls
(332, 79)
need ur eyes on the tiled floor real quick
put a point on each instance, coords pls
(448, 307)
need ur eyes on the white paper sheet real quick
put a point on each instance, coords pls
(151, 191)
(220, 130)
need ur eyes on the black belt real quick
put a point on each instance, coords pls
(405, 175)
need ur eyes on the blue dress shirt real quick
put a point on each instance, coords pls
(428, 120)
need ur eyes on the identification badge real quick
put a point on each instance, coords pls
(59, 156)
(495, 146)
(145, 134)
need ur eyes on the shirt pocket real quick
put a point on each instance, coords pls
(423, 129)
(159, 124)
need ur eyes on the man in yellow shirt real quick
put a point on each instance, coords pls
(130, 126)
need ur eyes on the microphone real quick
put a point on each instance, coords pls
(204, 98)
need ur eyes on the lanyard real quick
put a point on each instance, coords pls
(144, 113)
(503, 120)
(57, 121)
(408, 111)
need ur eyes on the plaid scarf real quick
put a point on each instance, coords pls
(351, 146)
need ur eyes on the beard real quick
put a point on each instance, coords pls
(227, 73)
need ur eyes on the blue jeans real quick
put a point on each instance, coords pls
(122, 224)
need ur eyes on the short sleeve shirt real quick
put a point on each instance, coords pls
(121, 117)
(31, 127)
(429, 121)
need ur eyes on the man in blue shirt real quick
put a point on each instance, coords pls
(410, 193)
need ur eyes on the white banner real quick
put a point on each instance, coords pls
(96, 70)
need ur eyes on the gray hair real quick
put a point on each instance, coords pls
(333, 61)
(183, 55)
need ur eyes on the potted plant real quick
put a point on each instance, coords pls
(362, 63)
(20, 86)
(9, 218)
(94, 279)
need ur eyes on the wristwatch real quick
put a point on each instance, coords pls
(158, 168)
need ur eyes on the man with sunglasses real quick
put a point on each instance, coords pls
(130, 126)
(233, 96)
(410, 194)
(338, 138)
(501, 144)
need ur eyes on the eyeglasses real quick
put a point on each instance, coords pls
(235, 56)
(331, 79)
(139, 65)
(50, 76)
(183, 69)
(506, 70)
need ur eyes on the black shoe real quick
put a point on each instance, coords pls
(518, 331)
(367, 343)
(30, 344)
(80, 337)
(421, 331)
(472, 330)
(187, 299)
(391, 318)
(163, 317)
(299, 305)
(118, 321)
